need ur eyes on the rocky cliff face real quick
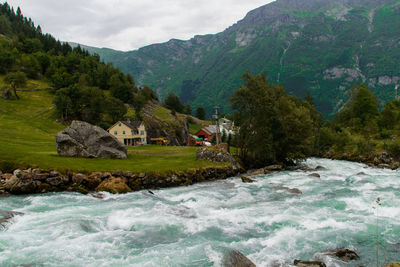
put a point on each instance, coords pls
(324, 46)
(160, 122)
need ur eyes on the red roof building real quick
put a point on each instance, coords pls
(208, 133)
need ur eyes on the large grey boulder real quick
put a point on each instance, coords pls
(234, 258)
(216, 155)
(84, 140)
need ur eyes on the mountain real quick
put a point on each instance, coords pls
(324, 46)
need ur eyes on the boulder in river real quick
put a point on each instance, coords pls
(316, 175)
(276, 167)
(84, 140)
(320, 168)
(393, 264)
(301, 263)
(344, 254)
(114, 186)
(5, 216)
(246, 179)
(234, 258)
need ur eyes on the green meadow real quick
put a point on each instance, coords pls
(27, 139)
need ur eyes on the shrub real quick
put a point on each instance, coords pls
(394, 148)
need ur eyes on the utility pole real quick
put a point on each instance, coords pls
(216, 124)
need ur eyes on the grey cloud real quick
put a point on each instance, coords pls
(130, 24)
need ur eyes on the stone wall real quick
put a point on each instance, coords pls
(34, 181)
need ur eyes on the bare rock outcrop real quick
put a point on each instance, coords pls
(234, 258)
(216, 155)
(84, 140)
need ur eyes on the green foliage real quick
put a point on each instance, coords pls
(173, 103)
(194, 128)
(15, 80)
(393, 148)
(77, 78)
(273, 125)
(187, 110)
(361, 112)
(201, 113)
(390, 116)
(120, 89)
(87, 104)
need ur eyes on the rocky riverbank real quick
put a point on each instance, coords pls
(380, 160)
(34, 181)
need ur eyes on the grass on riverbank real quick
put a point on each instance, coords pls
(27, 138)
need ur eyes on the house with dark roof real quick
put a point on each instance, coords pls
(129, 133)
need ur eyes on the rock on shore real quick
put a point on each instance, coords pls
(84, 140)
(33, 181)
(216, 155)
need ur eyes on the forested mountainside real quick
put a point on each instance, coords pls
(83, 87)
(324, 46)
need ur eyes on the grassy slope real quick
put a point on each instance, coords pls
(27, 138)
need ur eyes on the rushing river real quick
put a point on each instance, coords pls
(193, 226)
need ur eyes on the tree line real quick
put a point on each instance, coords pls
(84, 87)
(277, 127)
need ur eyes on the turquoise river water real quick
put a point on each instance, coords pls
(195, 225)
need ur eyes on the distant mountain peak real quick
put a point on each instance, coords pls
(321, 46)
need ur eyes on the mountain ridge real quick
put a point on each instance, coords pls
(321, 46)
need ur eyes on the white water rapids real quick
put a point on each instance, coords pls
(195, 225)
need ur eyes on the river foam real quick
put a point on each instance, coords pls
(195, 225)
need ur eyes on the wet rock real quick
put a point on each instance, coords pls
(5, 216)
(246, 179)
(234, 258)
(295, 191)
(10, 181)
(57, 181)
(117, 173)
(98, 195)
(182, 211)
(18, 173)
(393, 264)
(105, 175)
(301, 263)
(78, 178)
(361, 173)
(82, 139)
(384, 166)
(257, 172)
(114, 186)
(24, 186)
(92, 181)
(54, 174)
(315, 175)
(320, 168)
(306, 169)
(344, 254)
(276, 167)
(40, 176)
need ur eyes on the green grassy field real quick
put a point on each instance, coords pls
(27, 138)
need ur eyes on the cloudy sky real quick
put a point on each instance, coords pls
(130, 24)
